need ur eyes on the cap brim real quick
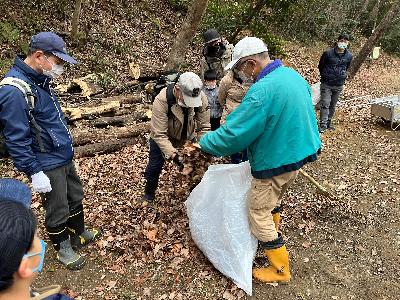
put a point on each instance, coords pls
(213, 40)
(231, 64)
(65, 57)
(192, 101)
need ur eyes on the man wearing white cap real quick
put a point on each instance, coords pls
(177, 110)
(277, 124)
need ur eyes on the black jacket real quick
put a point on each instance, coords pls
(333, 66)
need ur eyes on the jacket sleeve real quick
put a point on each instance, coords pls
(159, 126)
(349, 63)
(202, 116)
(223, 89)
(322, 62)
(243, 126)
(14, 117)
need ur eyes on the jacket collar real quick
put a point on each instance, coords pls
(335, 50)
(269, 68)
(26, 70)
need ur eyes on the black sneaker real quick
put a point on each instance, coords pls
(322, 129)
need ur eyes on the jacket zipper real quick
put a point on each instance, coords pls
(59, 116)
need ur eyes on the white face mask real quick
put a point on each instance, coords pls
(56, 70)
(211, 86)
(182, 104)
(342, 45)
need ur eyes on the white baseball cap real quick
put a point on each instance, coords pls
(191, 86)
(246, 47)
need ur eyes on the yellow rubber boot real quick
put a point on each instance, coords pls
(278, 271)
(277, 219)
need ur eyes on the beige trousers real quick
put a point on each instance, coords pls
(265, 195)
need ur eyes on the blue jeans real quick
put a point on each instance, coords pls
(329, 98)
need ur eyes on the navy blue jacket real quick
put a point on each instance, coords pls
(333, 66)
(19, 133)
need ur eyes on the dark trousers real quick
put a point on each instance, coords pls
(65, 197)
(63, 205)
(329, 98)
(215, 123)
(155, 164)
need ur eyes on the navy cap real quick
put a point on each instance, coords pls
(15, 191)
(52, 43)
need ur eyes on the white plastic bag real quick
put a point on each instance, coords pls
(217, 211)
(316, 93)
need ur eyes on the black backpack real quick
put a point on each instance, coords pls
(164, 80)
(26, 90)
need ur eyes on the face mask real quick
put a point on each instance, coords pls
(56, 70)
(211, 86)
(41, 253)
(181, 103)
(342, 45)
(244, 77)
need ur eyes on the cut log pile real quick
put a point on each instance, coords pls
(103, 124)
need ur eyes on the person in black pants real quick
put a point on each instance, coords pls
(179, 112)
(333, 66)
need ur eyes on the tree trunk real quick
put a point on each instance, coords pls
(103, 147)
(86, 137)
(120, 121)
(186, 34)
(373, 39)
(125, 99)
(252, 12)
(75, 18)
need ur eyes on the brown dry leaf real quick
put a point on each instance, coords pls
(151, 235)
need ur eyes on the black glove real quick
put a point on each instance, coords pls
(178, 160)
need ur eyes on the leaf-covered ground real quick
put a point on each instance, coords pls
(342, 249)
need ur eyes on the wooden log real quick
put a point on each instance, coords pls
(125, 99)
(103, 147)
(76, 113)
(120, 121)
(99, 135)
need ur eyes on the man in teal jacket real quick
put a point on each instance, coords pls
(277, 124)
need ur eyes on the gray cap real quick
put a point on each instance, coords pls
(191, 85)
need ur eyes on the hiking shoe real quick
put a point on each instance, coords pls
(68, 257)
(331, 127)
(85, 238)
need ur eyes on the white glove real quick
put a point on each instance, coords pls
(41, 183)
